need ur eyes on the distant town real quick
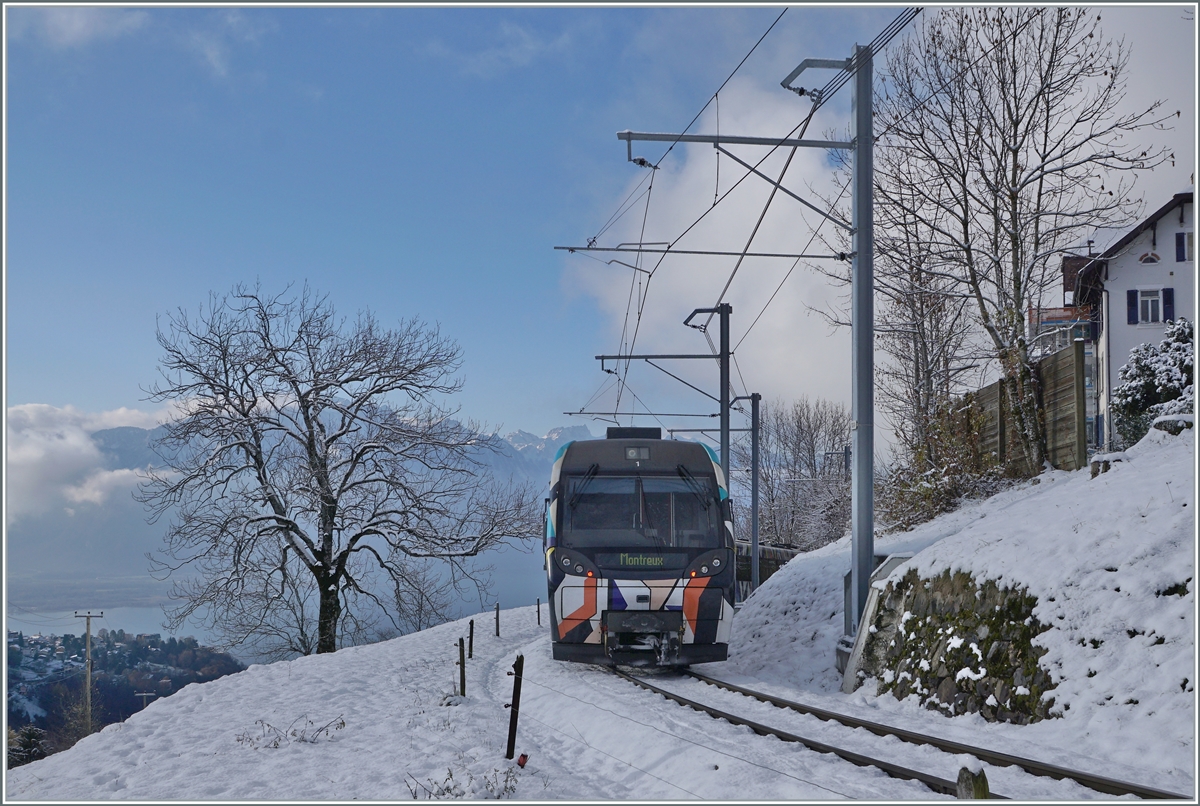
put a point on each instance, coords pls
(47, 673)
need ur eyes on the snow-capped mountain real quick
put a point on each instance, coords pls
(544, 448)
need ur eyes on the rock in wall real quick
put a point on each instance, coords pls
(960, 647)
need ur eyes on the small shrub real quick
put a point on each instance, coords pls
(26, 744)
(1156, 380)
(272, 737)
(935, 479)
(496, 785)
(1178, 589)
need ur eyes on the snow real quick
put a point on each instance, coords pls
(384, 722)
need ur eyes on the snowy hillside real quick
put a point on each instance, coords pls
(1111, 561)
(382, 722)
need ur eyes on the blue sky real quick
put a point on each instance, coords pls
(411, 160)
(416, 161)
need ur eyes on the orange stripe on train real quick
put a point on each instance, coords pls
(585, 612)
(691, 600)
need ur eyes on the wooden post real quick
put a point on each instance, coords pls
(515, 705)
(973, 785)
(471, 642)
(539, 607)
(497, 619)
(87, 691)
(87, 699)
(1080, 406)
(462, 668)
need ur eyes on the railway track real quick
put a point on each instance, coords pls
(1098, 783)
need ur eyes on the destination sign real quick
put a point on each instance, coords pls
(643, 561)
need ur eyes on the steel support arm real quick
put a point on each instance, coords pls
(762, 175)
(629, 137)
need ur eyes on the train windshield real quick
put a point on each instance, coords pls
(641, 512)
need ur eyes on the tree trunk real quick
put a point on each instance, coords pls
(1023, 401)
(331, 611)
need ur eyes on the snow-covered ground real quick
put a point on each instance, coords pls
(382, 722)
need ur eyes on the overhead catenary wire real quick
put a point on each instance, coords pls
(624, 207)
(635, 281)
(877, 44)
(837, 82)
(723, 83)
(831, 88)
(887, 129)
(958, 75)
(36, 617)
(644, 290)
(771, 299)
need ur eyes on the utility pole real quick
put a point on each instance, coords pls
(144, 695)
(723, 310)
(87, 691)
(723, 359)
(862, 406)
(754, 401)
(860, 68)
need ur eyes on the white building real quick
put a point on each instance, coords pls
(1146, 277)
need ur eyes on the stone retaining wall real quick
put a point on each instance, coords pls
(960, 647)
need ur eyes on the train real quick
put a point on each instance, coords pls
(639, 551)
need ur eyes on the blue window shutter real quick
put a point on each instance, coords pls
(1131, 309)
(1180, 247)
(1168, 299)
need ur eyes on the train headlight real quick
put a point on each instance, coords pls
(710, 563)
(579, 569)
(566, 562)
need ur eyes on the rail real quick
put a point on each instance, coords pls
(1097, 782)
(940, 785)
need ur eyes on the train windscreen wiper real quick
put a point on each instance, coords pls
(694, 485)
(646, 522)
(581, 487)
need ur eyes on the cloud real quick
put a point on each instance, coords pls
(791, 351)
(70, 27)
(511, 46)
(100, 484)
(215, 44)
(52, 462)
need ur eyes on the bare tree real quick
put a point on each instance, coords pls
(1007, 123)
(804, 490)
(313, 473)
(922, 321)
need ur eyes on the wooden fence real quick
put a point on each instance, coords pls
(1061, 381)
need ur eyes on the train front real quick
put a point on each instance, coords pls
(639, 552)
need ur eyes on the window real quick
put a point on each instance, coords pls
(641, 512)
(1148, 307)
(1183, 247)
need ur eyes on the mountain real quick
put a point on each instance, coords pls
(543, 449)
(127, 447)
(519, 454)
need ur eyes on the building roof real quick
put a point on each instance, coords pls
(1116, 246)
